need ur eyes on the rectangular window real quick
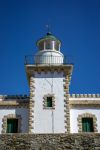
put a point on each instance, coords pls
(87, 125)
(49, 44)
(49, 101)
(12, 125)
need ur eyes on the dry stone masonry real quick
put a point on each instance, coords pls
(50, 142)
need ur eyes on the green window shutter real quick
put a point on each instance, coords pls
(49, 101)
(12, 125)
(84, 127)
(87, 124)
(9, 127)
(90, 124)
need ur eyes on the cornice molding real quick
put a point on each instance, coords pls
(86, 103)
(14, 103)
(30, 69)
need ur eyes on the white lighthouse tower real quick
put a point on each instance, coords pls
(49, 79)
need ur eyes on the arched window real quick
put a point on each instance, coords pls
(11, 123)
(87, 122)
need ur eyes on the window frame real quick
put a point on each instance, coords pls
(11, 116)
(45, 105)
(88, 115)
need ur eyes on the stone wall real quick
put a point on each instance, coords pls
(50, 141)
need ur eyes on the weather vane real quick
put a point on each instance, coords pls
(48, 28)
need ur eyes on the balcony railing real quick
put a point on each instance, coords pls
(46, 60)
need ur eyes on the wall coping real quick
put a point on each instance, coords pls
(50, 134)
(70, 95)
(14, 100)
(13, 97)
(13, 103)
(84, 95)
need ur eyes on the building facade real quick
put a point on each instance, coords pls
(50, 108)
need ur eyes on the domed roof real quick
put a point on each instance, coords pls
(48, 36)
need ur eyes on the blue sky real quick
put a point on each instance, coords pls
(75, 22)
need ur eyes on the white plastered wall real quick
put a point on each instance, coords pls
(48, 120)
(19, 111)
(79, 111)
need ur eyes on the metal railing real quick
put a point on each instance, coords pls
(46, 60)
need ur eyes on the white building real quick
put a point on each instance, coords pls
(50, 107)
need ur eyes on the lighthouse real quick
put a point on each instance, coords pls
(49, 79)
